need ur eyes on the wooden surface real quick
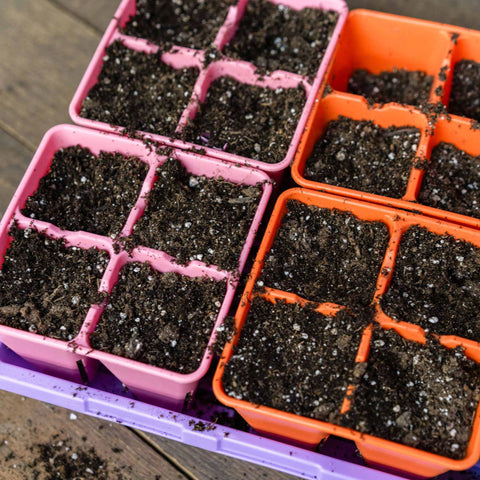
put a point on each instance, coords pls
(45, 46)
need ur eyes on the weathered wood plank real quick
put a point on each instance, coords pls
(25, 423)
(213, 466)
(96, 13)
(43, 54)
(14, 159)
(461, 12)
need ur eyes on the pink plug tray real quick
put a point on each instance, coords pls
(61, 358)
(241, 71)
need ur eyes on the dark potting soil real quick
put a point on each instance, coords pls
(326, 256)
(277, 37)
(60, 461)
(187, 23)
(436, 284)
(399, 85)
(247, 120)
(295, 359)
(451, 181)
(465, 93)
(163, 320)
(47, 288)
(197, 218)
(86, 192)
(138, 91)
(424, 396)
(363, 156)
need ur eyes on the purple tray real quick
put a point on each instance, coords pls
(107, 399)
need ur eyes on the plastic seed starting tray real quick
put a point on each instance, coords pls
(62, 357)
(48, 369)
(378, 42)
(241, 71)
(311, 432)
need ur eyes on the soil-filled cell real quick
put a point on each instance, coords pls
(138, 91)
(364, 156)
(83, 191)
(46, 287)
(452, 181)
(424, 396)
(162, 319)
(247, 120)
(196, 217)
(326, 256)
(295, 359)
(436, 284)
(186, 23)
(277, 37)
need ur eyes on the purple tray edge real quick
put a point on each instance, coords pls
(109, 406)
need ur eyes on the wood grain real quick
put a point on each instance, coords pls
(213, 466)
(25, 423)
(43, 54)
(464, 13)
(96, 13)
(14, 159)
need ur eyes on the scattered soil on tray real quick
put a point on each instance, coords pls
(247, 120)
(451, 181)
(83, 191)
(399, 85)
(465, 93)
(436, 284)
(197, 218)
(47, 288)
(424, 396)
(276, 37)
(326, 256)
(138, 91)
(295, 359)
(363, 156)
(163, 320)
(187, 23)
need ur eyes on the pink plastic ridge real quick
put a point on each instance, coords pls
(61, 358)
(277, 79)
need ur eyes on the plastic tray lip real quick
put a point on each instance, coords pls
(273, 168)
(245, 446)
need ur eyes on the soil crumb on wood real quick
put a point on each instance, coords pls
(326, 256)
(138, 91)
(399, 85)
(295, 359)
(86, 192)
(163, 320)
(465, 93)
(424, 396)
(47, 288)
(277, 37)
(363, 156)
(451, 181)
(196, 217)
(247, 120)
(61, 461)
(186, 23)
(436, 284)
